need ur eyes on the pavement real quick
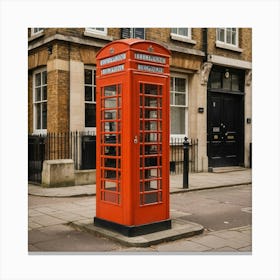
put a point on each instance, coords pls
(81, 218)
(197, 181)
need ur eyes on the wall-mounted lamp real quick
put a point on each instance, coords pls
(226, 74)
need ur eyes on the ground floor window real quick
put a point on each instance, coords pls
(90, 97)
(179, 106)
(40, 99)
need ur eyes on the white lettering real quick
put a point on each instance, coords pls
(149, 68)
(151, 58)
(111, 59)
(112, 69)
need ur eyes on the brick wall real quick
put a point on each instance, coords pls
(58, 101)
(245, 38)
(30, 106)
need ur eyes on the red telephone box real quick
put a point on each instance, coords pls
(132, 164)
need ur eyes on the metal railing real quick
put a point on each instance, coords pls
(177, 155)
(81, 147)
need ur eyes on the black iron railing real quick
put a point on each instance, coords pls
(177, 155)
(81, 147)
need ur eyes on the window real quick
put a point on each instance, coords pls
(182, 34)
(226, 79)
(97, 30)
(36, 30)
(179, 103)
(228, 36)
(90, 97)
(40, 99)
(133, 33)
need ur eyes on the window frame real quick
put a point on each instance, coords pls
(173, 105)
(183, 38)
(93, 85)
(41, 101)
(33, 32)
(224, 44)
(93, 30)
(132, 32)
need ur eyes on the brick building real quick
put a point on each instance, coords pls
(210, 86)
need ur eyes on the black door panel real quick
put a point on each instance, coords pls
(225, 129)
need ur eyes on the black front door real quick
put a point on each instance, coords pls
(225, 129)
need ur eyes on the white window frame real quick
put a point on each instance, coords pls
(35, 129)
(93, 69)
(94, 30)
(100, 34)
(176, 36)
(226, 45)
(172, 104)
(36, 32)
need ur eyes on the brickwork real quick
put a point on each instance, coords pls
(58, 101)
(88, 55)
(163, 35)
(38, 58)
(30, 106)
(185, 61)
(115, 33)
(245, 43)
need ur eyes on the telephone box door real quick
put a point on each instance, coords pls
(152, 154)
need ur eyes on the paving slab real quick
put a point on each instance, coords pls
(182, 246)
(178, 230)
(45, 220)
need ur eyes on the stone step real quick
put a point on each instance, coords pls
(227, 169)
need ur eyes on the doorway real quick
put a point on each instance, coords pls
(225, 129)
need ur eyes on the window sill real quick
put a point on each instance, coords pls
(40, 132)
(182, 38)
(98, 36)
(35, 36)
(228, 47)
(176, 137)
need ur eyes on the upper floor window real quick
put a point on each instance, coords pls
(228, 36)
(36, 30)
(133, 33)
(97, 30)
(182, 34)
(90, 97)
(40, 99)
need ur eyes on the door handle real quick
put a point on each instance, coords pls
(135, 140)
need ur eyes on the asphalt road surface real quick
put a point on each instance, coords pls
(216, 209)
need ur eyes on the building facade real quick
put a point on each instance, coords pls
(210, 85)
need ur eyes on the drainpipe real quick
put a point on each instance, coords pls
(205, 43)
(69, 87)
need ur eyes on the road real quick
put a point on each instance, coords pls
(216, 209)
